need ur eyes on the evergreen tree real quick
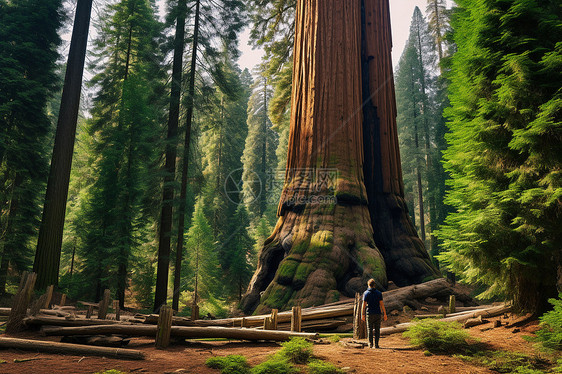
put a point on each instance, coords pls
(202, 255)
(223, 145)
(28, 55)
(415, 88)
(124, 123)
(259, 157)
(504, 155)
(438, 24)
(215, 23)
(238, 251)
(47, 257)
(178, 13)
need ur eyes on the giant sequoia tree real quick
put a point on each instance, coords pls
(342, 216)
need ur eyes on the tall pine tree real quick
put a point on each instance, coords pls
(28, 54)
(505, 155)
(124, 123)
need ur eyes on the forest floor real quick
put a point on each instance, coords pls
(394, 356)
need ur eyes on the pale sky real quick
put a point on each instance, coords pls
(401, 12)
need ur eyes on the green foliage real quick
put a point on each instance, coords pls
(503, 158)
(231, 364)
(275, 365)
(438, 336)
(508, 362)
(114, 221)
(239, 254)
(28, 80)
(323, 367)
(335, 338)
(420, 126)
(297, 350)
(550, 333)
(558, 368)
(202, 256)
(259, 158)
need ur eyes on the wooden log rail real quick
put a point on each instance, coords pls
(179, 331)
(491, 312)
(66, 348)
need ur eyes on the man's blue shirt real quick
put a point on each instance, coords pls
(373, 297)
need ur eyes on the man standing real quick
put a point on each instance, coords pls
(372, 307)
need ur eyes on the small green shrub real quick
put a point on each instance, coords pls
(231, 364)
(335, 338)
(558, 368)
(296, 350)
(550, 333)
(323, 367)
(275, 365)
(508, 362)
(438, 336)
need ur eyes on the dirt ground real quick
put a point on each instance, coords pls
(394, 356)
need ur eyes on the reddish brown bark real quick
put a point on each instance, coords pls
(343, 165)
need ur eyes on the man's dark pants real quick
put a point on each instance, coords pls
(374, 322)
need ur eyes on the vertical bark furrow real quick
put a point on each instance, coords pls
(406, 259)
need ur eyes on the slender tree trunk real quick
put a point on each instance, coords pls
(72, 261)
(189, 119)
(47, 257)
(263, 197)
(175, 95)
(321, 248)
(439, 38)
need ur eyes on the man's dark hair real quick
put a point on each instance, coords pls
(371, 283)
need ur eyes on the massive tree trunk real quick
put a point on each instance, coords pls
(342, 216)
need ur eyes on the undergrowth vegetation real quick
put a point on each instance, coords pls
(508, 362)
(438, 336)
(550, 333)
(297, 351)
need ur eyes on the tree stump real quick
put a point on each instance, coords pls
(359, 326)
(21, 302)
(452, 304)
(62, 300)
(267, 323)
(117, 310)
(90, 311)
(164, 327)
(49, 293)
(104, 304)
(274, 313)
(296, 319)
(194, 312)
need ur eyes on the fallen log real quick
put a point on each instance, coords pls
(66, 348)
(256, 321)
(320, 325)
(61, 321)
(406, 296)
(471, 322)
(490, 312)
(179, 331)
